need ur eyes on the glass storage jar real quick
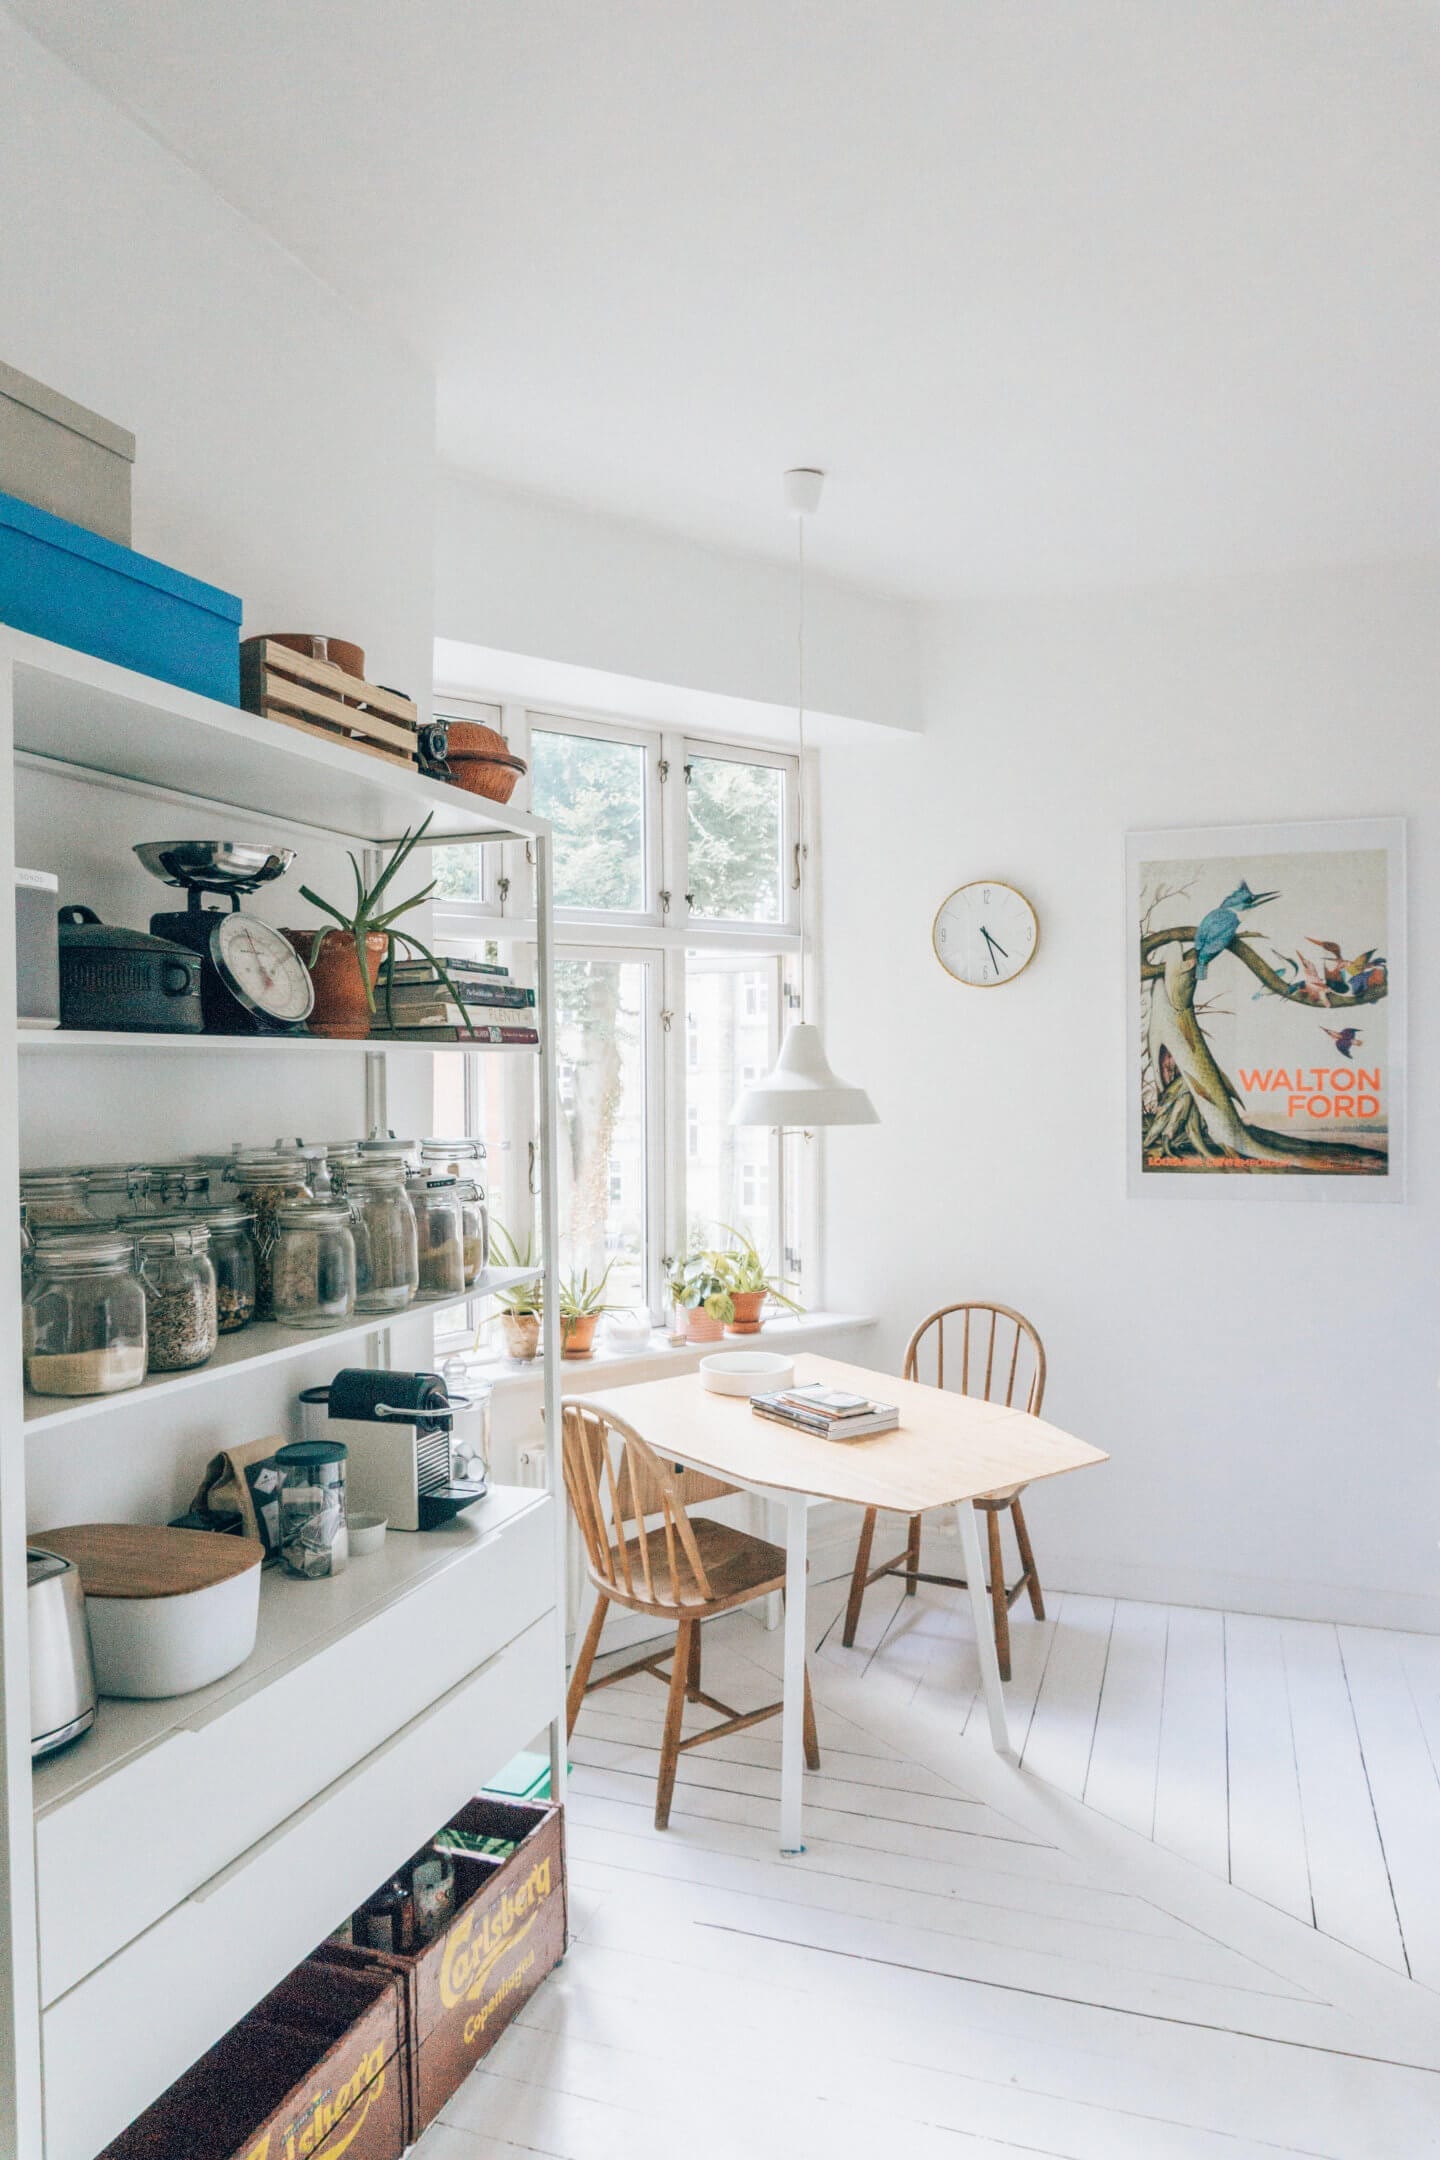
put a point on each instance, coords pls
(462, 1158)
(474, 1229)
(314, 1540)
(83, 1318)
(265, 1179)
(440, 1234)
(117, 1189)
(312, 1264)
(178, 1185)
(54, 1198)
(232, 1253)
(382, 1219)
(180, 1306)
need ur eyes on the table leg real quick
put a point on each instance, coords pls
(773, 1528)
(792, 1717)
(965, 1522)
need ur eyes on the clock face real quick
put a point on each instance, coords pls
(261, 968)
(986, 933)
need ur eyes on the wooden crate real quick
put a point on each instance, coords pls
(321, 699)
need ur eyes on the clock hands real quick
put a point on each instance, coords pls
(994, 948)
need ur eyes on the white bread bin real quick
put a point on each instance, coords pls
(169, 1610)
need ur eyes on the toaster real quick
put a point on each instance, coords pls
(62, 1677)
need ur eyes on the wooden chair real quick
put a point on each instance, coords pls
(679, 1571)
(1002, 1359)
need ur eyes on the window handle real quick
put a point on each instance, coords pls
(533, 1154)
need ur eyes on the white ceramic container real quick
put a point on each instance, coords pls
(746, 1372)
(169, 1610)
(367, 1533)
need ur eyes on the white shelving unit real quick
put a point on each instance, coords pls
(445, 1644)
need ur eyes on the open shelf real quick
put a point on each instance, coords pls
(262, 1343)
(60, 1040)
(298, 1620)
(87, 715)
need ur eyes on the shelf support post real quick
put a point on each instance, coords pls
(550, 1241)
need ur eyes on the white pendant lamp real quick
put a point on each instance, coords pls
(802, 1090)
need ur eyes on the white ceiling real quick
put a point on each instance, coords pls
(1061, 291)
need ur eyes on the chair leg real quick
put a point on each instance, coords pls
(674, 1715)
(857, 1580)
(812, 1737)
(692, 1667)
(912, 1555)
(1027, 1559)
(585, 1658)
(998, 1600)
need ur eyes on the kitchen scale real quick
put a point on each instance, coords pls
(253, 982)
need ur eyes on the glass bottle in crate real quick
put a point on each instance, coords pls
(83, 1316)
(314, 1539)
(382, 1219)
(312, 1264)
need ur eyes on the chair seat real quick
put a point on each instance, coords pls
(739, 1566)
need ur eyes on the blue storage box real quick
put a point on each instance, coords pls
(61, 582)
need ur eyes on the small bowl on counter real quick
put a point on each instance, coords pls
(746, 1372)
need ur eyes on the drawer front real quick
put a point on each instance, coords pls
(128, 2030)
(122, 1853)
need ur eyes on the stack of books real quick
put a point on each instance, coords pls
(830, 1413)
(412, 1004)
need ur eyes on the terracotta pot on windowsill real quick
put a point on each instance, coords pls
(340, 1010)
(522, 1335)
(749, 1304)
(577, 1336)
(700, 1327)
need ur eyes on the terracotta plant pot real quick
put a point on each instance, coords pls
(700, 1327)
(577, 1336)
(749, 1304)
(522, 1334)
(340, 1008)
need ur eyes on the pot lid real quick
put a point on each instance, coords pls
(138, 1560)
(81, 928)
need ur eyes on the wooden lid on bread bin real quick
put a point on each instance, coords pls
(139, 1560)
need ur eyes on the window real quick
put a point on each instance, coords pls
(677, 938)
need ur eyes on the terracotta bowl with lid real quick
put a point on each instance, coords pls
(480, 759)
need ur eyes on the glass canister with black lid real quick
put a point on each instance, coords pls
(440, 1234)
(314, 1539)
(83, 1317)
(263, 1180)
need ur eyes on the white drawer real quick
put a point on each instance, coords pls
(127, 1847)
(127, 2031)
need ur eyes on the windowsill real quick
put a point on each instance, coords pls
(624, 1362)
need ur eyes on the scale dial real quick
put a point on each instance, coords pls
(985, 934)
(261, 970)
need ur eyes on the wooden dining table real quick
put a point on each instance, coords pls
(947, 1451)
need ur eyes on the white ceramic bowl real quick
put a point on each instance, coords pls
(746, 1372)
(367, 1532)
(154, 1646)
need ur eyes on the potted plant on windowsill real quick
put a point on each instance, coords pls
(700, 1291)
(345, 957)
(523, 1303)
(581, 1304)
(750, 1283)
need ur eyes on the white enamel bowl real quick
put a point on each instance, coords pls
(746, 1372)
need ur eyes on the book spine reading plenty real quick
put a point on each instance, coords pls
(442, 1033)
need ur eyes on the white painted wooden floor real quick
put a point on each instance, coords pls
(979, 1960)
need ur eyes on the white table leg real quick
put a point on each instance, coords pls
(965, 1522)
(773, 1528)
(792, 1717)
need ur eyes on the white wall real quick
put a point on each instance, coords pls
(1264, 1376)
(286, 448)
(525, 575)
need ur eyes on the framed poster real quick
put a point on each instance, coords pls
(1266, 1010)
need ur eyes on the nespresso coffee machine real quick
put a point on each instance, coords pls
(399, 1429)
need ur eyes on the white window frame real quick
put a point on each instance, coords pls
(661, 933)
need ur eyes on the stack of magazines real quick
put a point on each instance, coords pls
(413, 1004)
(831, 1413)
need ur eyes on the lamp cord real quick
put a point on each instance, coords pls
(800, 842)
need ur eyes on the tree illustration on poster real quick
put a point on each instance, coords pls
(1266, 977)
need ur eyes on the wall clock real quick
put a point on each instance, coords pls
(985, 934)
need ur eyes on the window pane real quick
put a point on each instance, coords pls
(594, 793)
(456, 871)
(737, 840)
(600, 1085)
(730, 1182)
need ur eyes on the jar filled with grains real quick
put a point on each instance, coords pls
(232, 1253)
(264, 1180)
(387, 1267)
(54, 1198)
(180, 1304)
(119, 1189)
(475, 1229)
(313, 1264)
(440, 1233)
(83, 1318)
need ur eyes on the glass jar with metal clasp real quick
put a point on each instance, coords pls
(83, 1317)
(116, 1190)
(382, 1219)
(181, 1313)
(54, 1199)
(265, 1179)
(232, 1253)
(440, 1234)
(313, 1263)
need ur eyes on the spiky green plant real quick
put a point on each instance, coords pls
(369, 916)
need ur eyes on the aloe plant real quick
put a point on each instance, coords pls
(369, 915)
(521, 1298)
(743, 1269)
(580, 1298)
